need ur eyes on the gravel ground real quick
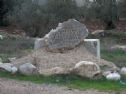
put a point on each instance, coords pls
(18, 87)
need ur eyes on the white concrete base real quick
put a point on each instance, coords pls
(97, 45)
(39, 43)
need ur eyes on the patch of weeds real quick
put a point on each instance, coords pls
(117, 56)
(15, 47)
(5, 57)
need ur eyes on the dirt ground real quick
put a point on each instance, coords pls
(18, 87)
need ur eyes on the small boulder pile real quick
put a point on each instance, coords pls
(62, 51)
(86, 69)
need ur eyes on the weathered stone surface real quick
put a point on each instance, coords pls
(8, 67)
(54, 71)
(58, 70)
(123, 71)
(87, 69)
(113, 76)
(27, 69)
(66, 36)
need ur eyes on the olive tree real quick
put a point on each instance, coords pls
(122, 8)
(5, 6)
(37, 19)
(107, 11)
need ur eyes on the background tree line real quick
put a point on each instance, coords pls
(37, 18)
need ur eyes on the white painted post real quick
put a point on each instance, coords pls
(39, 43)
(98, 46)
(98, 49)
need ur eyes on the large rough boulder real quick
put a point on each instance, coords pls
(87, 69)
(66, 36)
(27, 69)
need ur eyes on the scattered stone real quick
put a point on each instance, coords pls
(27, 69)
(113, 76)
(66, 36)
(14, 70)
(99, 32)
(119, 47)
(8, 67)
(87, 69)
(123, 71)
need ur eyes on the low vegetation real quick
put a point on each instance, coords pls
(112, 38)
(14, 46)
(117, 56)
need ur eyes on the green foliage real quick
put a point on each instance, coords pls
(122, 8)
(107, 11)
(62, 9)
(113, 38)
(37, 19)
(14, 46)
(5, 7)
(115, 56)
